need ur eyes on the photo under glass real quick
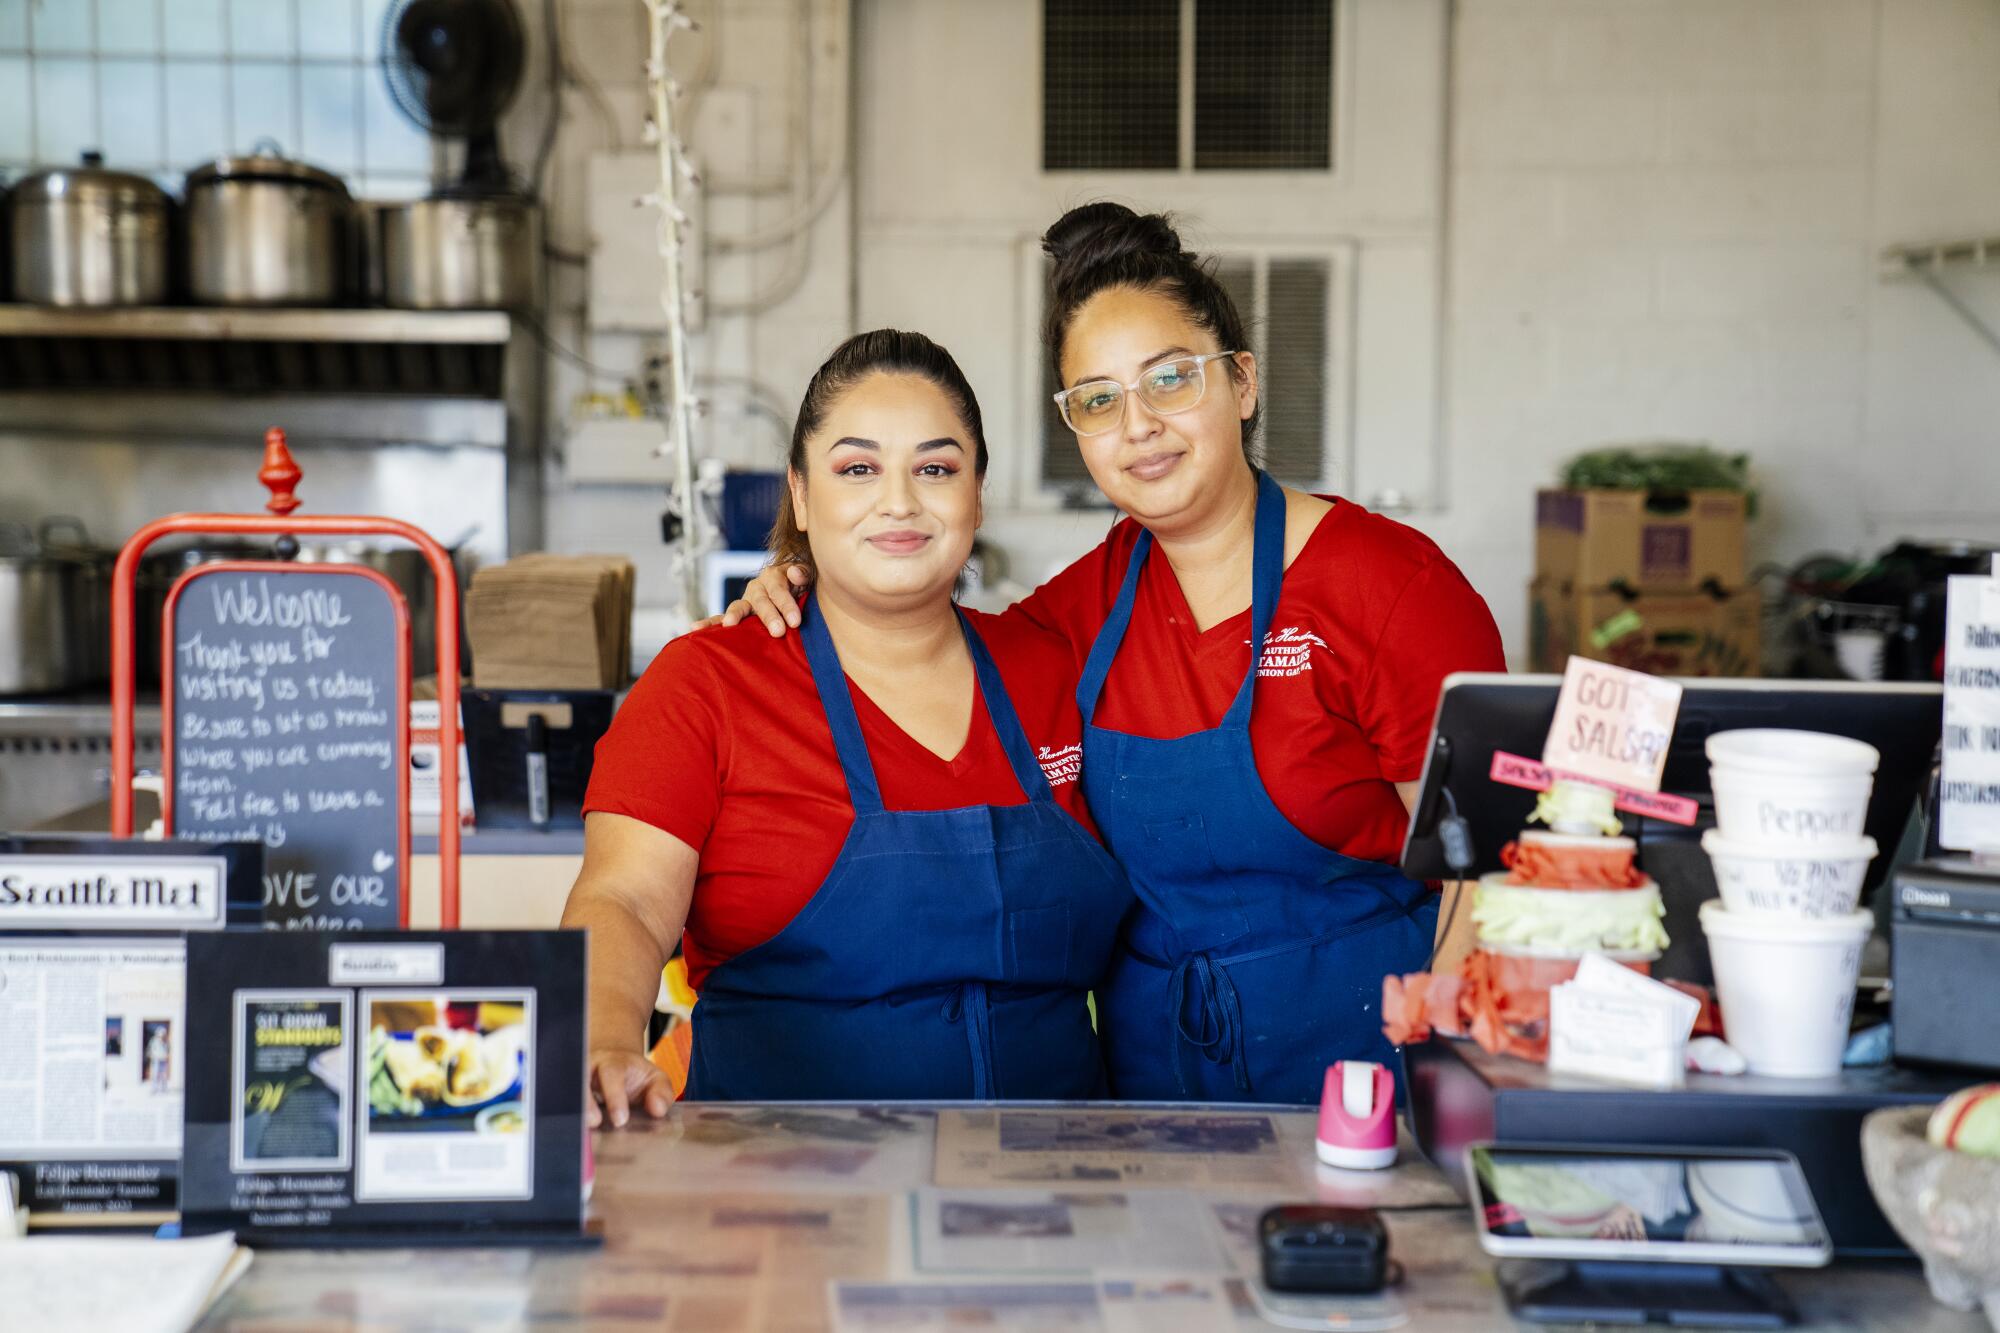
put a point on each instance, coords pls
(447, 1086)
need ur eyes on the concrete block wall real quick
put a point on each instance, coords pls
(752, 366)
(1664, 222)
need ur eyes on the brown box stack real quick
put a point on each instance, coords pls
(551, 622)
(1651, 581)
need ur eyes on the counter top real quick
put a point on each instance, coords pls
(503, 842)
(731, 1216)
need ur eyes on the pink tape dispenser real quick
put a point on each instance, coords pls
(1357, 1117)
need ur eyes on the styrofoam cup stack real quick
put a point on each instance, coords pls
(1786, 986)
(1782, 788)
(1790, 857)
(1764, 879)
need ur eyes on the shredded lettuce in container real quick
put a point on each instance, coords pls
(1570, 920)
(1661, 466)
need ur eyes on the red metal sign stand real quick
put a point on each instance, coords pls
(280, 474)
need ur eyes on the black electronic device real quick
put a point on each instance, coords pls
(1461, 1096)
(1546, 1291)
(1660, 1235)
(1481, 714)
(1314, 1247)
(1944, 929)
(530, 754)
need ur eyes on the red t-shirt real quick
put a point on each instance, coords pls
(1371, 619)
(724, 744)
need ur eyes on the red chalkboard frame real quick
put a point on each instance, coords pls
(401, 606)
(280, 474)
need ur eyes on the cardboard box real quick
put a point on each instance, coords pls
(1689, 632)
(1643, 540)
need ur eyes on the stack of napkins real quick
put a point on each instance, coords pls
(131, 1284)
(551, 622)
(1611, 1023)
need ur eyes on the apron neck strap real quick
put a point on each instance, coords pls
(838, 702)
(1267, 576)
(1006, 722)
(1097, 667)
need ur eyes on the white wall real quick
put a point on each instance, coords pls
(1660, 219)
(741, 75)
(1664, 224)
(953, 201)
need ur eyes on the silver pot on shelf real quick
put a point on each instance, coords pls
(264, 230)
(460, 251)
(39, 605)
(64, 541)
(88, 236)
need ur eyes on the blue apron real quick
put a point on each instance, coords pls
(945, 956)
(1255, 958)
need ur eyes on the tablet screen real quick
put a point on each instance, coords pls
(1582, 1202)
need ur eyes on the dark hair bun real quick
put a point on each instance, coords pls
(1103, 233)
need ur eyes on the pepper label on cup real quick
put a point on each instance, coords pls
(1613, 725)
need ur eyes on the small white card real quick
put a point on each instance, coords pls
(1611, 1023)
(381, 964)
(1969, 785)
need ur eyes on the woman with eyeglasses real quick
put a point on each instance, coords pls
(1259, 667)
(886, 891)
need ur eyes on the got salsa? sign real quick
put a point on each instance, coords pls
(1612, 725)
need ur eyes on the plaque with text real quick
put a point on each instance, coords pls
(93, 1027)
(400, 1088)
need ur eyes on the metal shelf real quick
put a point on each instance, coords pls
(345, 353)
(209, 324)
(1927, 263)
(454, 422)
(1979, 252)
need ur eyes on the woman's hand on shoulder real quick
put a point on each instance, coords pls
(622, 1081)
(771, 599)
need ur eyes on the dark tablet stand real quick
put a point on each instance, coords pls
(1623, 1293)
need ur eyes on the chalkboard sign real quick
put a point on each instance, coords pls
(285, 722)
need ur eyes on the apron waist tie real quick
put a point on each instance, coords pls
(1218, 1029)
(967, 1003)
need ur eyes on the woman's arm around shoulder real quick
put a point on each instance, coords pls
(1072, 603)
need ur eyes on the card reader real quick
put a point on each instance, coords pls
(1944, 934)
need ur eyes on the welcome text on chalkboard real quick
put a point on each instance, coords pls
(285, 722)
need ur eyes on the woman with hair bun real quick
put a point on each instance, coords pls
(1259, 667)
(885, 893)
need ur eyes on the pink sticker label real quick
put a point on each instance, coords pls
(1515, 771)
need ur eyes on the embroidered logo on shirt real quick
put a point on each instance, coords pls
(1288, 651)
(1060, 763)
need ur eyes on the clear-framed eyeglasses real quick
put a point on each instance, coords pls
(1096, 406)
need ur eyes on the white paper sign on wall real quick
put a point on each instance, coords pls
(1969, 791)
(1613, 725)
